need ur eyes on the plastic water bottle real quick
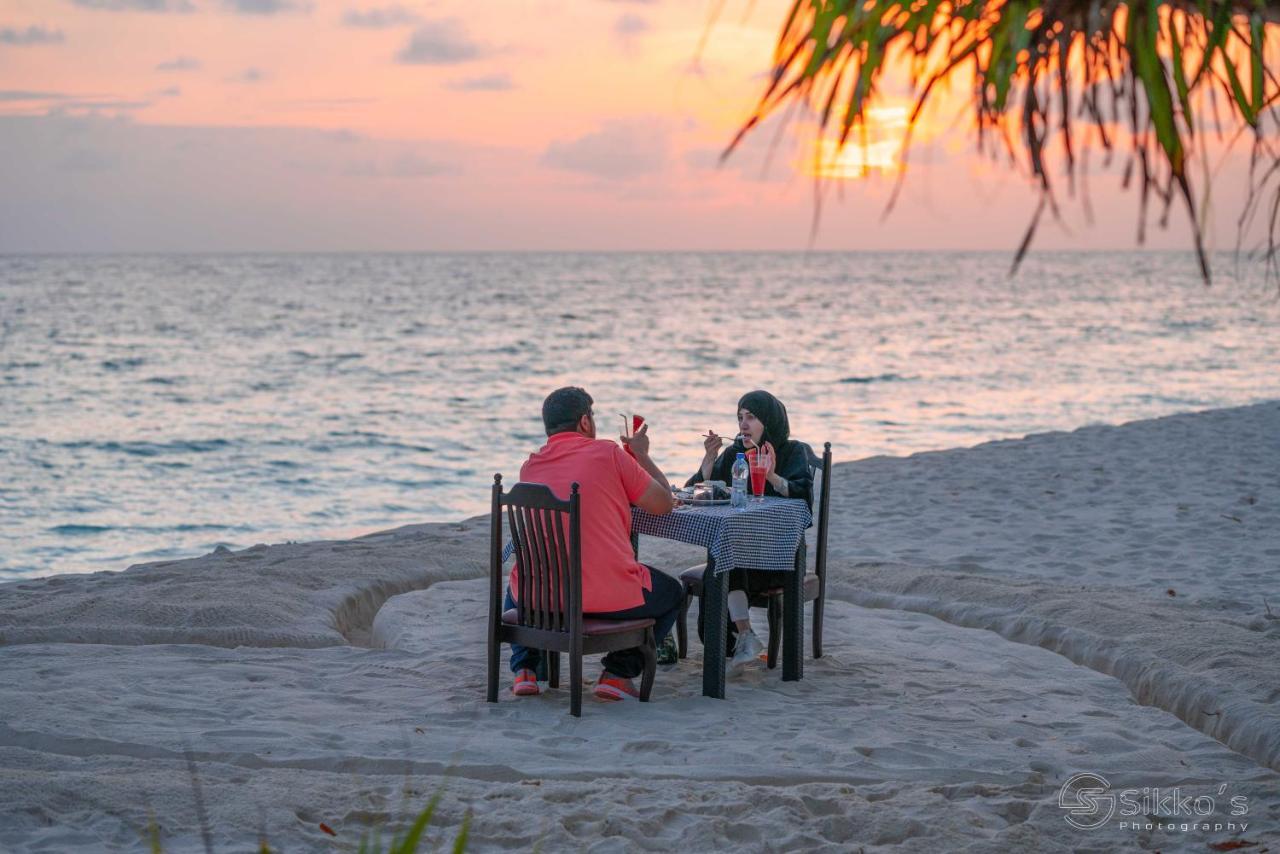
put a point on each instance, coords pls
(740, 472)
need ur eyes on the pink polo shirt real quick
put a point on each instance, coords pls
(609, 482)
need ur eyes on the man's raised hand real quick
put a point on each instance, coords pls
(639, 443)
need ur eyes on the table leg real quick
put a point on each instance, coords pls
(793, 620)
(714, 603)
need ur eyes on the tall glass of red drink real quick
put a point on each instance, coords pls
(757, 462)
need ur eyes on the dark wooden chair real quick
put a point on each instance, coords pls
(548, 613)
(815, 585)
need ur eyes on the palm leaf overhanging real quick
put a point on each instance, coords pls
(1145, 80)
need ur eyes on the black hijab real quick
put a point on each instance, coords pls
(770, 412)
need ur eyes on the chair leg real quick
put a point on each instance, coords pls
(575, 684)
(650, 652)
(774, 612)
(494, 649)
(682, 627)
(553, 668)
(817, 626)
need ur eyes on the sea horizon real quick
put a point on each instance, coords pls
(299, 396)
(931, 250)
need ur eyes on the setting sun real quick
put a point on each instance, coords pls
(877, 152)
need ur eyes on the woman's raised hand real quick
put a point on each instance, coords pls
(712, 443)
(768, 458)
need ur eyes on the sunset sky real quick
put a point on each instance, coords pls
(193, 125)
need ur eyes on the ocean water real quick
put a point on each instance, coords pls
(157, 407)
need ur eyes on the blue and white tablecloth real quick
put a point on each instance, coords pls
(761, 535)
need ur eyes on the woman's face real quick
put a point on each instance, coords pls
(749, 426)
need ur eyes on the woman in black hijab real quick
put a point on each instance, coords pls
(763, 426)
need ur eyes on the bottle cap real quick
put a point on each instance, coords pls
(741, 455)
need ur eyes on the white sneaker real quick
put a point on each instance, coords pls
(745, 651)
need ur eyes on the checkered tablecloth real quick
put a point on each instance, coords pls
(762, 535)
(759, 536)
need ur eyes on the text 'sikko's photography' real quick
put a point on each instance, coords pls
(639, 425)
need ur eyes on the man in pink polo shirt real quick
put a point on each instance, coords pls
(614, 583)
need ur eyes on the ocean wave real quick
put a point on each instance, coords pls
(123, 364)
(880, 378)
(183, 528)
(147, 449)
(79, 530)
(365, 440)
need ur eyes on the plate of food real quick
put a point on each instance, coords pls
(705, 494)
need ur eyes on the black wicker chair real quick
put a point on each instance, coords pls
(815, 585)
(548, 613)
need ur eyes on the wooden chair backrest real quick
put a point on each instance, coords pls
(821, 471)
(547, 534)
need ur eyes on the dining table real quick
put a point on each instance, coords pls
(765, 534)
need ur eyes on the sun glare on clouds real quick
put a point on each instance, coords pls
(879, 151)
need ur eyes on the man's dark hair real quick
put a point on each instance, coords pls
(563, 407)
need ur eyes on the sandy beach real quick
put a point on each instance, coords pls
(1002, 617)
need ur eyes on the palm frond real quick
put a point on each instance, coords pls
(1053, 71)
